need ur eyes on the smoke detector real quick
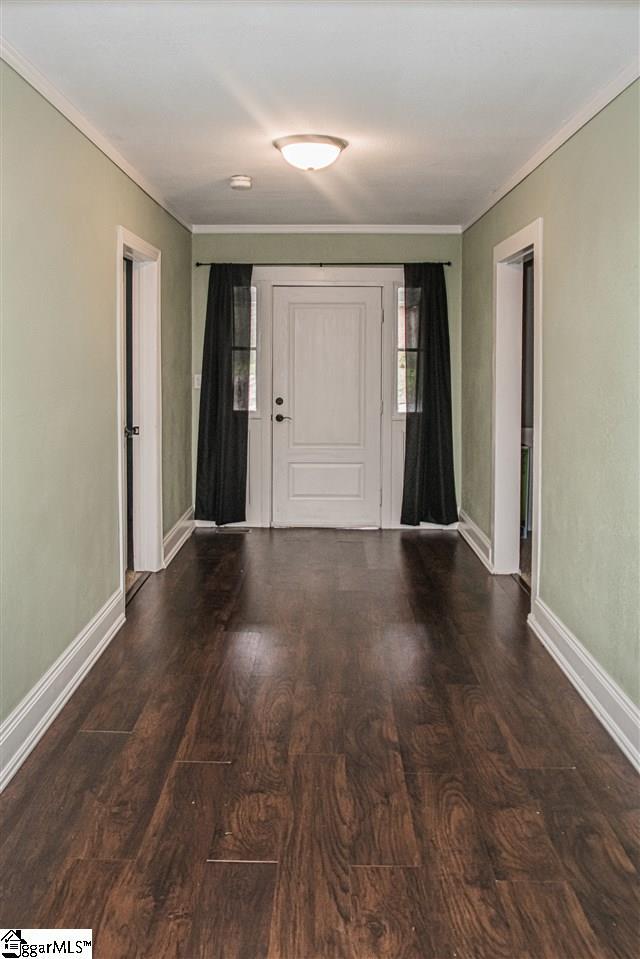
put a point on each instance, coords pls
(240, 182)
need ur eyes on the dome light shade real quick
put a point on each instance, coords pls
(310, 151)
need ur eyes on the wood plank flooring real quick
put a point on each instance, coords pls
(325, 744)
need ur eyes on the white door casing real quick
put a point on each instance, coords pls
(327, 356)
(147, 402)
(506, 401)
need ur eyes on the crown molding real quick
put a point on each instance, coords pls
(410, 228)
(602, 99)
(46, 89)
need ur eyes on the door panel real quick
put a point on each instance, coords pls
(326, 345)
(327, 371)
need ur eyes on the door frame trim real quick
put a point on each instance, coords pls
(506, 401)
(265, 279)
(147, 401)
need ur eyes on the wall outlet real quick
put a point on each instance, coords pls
(197, 381)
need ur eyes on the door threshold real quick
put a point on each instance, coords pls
(311, 526)
(219, 530)
(137, 579)
(522, 583)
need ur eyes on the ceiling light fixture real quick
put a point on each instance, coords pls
(310, 151)
(239, 181)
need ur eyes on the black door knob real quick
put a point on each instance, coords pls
(280, 417)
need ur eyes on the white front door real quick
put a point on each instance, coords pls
(327, 393)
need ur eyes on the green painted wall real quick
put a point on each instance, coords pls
(587, 193)
(62, 200)
(340, 248)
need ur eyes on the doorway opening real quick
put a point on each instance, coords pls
(517, 406)
(139, 411)
(133, 577)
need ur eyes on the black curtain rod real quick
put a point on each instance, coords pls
(217, 263)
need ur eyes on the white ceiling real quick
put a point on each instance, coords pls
(442, 102)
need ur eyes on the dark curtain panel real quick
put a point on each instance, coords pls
(221, 481)
(429, 491)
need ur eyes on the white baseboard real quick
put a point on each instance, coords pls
(178, 535)
(31, 718)
(617, 713)
(477, 540)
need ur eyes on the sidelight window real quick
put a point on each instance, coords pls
(245, 353)
(406, 353)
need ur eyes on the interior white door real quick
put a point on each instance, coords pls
(327, 403)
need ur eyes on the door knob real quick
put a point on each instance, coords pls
(280, 417)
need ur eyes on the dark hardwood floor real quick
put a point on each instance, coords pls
(308, 744)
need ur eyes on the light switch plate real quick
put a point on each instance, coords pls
(197, 381)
